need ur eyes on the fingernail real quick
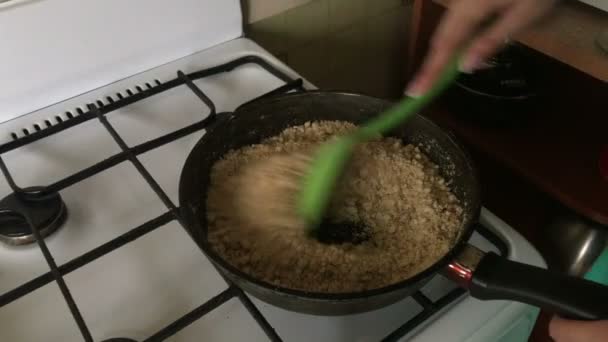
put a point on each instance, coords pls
(412, 91)
(484, 65)
(469, 64)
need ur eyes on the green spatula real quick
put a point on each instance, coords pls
(331, 157)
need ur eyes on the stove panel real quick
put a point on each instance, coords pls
(157, 275)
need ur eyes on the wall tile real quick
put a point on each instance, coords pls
(349, 48)
(256, 10)
(344, 13)
(351, 45)
(269, 33)
(388, 39)
(307, 23)
(311, 60)
(388, 31)
(378, 6)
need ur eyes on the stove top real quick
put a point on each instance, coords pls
(107, 258)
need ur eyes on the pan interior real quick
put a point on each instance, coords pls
(258, 121)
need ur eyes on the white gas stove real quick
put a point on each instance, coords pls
(125, 267)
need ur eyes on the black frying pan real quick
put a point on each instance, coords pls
(487, 276)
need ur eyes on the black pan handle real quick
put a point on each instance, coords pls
(496, 277)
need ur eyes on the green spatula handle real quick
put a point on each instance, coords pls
(331, 157)
(408, 107)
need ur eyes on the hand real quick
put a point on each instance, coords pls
(563, 330)
(460, 25)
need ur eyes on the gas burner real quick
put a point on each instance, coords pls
(47, 212)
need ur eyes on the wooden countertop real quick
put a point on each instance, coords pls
(569, 35)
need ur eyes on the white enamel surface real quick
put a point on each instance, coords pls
(55, 49)
(462, 321)
(145, 285)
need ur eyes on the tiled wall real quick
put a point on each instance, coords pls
(355, 45)
(255, 10)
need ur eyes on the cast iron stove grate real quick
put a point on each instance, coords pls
(23, 195)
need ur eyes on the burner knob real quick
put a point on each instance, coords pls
(604, 163)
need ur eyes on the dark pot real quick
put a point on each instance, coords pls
(486, 275)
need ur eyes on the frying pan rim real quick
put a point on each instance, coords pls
(194, 222)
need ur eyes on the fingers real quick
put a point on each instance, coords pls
(563, 330)
(484, 46)
(460, 21)
(512, 20)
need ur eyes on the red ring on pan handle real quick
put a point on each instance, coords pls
(460, 274)
(460, 270)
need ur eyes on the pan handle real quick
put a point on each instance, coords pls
(489, 276)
